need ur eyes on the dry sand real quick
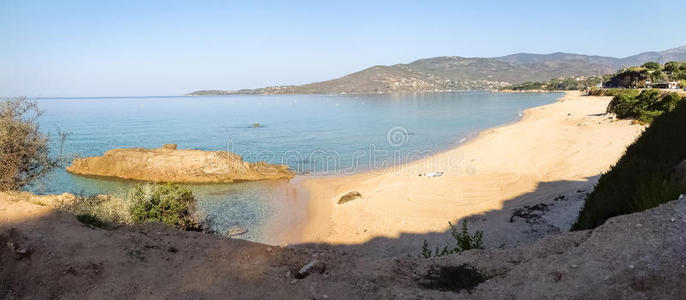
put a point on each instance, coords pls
(556, 149)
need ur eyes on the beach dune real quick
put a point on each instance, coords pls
(554, 149)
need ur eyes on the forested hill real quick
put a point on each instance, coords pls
(447, 73)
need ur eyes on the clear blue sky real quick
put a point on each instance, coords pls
(119, 48)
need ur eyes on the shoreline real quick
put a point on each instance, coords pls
(402, 202)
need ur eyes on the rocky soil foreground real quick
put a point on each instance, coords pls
(49, 254)
(167, 164)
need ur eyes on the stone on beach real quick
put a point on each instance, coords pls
(350, 197)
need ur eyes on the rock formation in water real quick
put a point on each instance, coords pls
(167, 164)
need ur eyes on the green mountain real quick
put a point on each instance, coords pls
(448, 73)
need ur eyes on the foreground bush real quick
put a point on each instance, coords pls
(171, 204)
(645, 176)
(100, 211)
(24, 152)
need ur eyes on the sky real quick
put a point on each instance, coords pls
(153, 48)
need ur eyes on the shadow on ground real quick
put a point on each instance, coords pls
(550, 209)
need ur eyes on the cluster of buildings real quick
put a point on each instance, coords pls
(671, 85)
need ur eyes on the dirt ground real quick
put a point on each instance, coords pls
(49, 254)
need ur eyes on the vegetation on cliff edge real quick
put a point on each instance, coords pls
(645, 177)
(643, 106)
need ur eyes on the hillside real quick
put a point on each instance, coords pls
(448, 73)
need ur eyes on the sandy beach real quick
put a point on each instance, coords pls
(554, 150)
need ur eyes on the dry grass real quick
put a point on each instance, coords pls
(108, 209)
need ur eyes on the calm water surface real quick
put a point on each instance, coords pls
(320, 134)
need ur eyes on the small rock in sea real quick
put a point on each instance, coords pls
(255, 125)
(235, 230)
(349, 197)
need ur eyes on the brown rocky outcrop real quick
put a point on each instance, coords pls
(167, 164)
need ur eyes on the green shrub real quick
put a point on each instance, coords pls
(171, 204)
(644, 106)
(671, 66)
(622, 103)
(651, 65)
(463, 242)
(611, 92)
(641, 179)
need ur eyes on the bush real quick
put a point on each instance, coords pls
(108, 210)
(642, 178)
(463, 242)
(171, 204)
(644, 106)
(24, 153)
(651, 65)
(611, 92)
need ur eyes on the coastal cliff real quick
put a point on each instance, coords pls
(167, 164)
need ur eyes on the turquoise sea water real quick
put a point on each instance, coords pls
(313, 134)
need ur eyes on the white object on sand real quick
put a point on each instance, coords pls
(432, 174)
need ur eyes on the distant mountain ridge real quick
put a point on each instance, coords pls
(448, 73)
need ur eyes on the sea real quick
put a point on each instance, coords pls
(315, 135)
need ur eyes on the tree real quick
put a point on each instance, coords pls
(651, 65)
(671, 67)
(657, 75)
(24, 152)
